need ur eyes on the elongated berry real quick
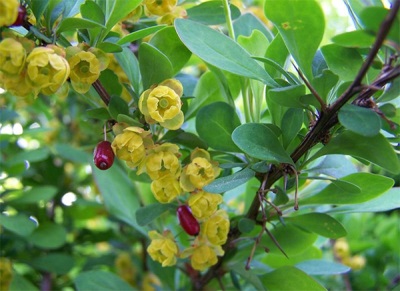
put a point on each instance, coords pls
(187, 220)
(103, 155)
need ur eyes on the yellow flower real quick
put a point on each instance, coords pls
(165, 189)
(341, 248)
(356, 262)
(203, 256)
(161, 160)
(85, 70)
(200, 172)
(8, 12)
(17, 85)
(163, 104)
(168, 19)
(46, 70)
(204, 204)
(150, 281)
(159, 7)
(163, 248)
(12, 56)
(131, 144)
(125, 269)
(216, 228)
(5, 273)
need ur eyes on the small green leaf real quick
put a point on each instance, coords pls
(147, 214)
(211, 13)
(258, 141)
(278, 52)
(249, 276)
(139, 34)
(319, 223)
(91, 11)
(98, 113)
(220, 51)
(117, 106)
(128, 120)
(290, 278)
(38, 7)
(291, 124)
(215, 124)
(68, 152)
(247, 22)
(301, 24)
(72, 24)
(186, 139)
(48, 235)
(58, 263)
(130, 65)
(34, 195)
(374, 149)
(356, 39)
(289, 96)
(322, 267)
(109, 47)
(118, 9)
(100, 281)
(371, 186)
(155, 67)
(227, 183)
(32, 156)
(19, 224)
(324, 83)
(372, 17)
(360, 120)
(246, 225)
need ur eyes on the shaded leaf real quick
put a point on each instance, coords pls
(71, 24)
(357, 39)
(227, 183)
(360, 120)
(147, 214)
(58, 263)
(117, 106)
(48, 235)
(289, 96)
(130, 65)
(322, 267)
(101, 281)
(211, 13)
(34, 195)
(139, 34)
(246, 23)
(19, 224)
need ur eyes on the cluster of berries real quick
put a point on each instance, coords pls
(198, 213)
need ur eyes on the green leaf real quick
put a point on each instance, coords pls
(19, 283)
(278, 260)
(119, 194)
(35, 195)
(360, 120)
(38, 7)
(147, 214)
(72, 24)
(130, 65)
(186, 139)
(376, 149)
(272, 65)
(246, 225)
(128, 120)
(155, 67)
(291, 124)
(322, 267)
(117, 106)
(335, 56)
(324, 83)
(249, 276)
(211, 13)
(290, 278)
(19, 224)
(110, 82)
(215, 124)
(301, 24)
(98, 113)
(168, 42)
(220, 51)
(117, 9)
(68, 152)
(91, 11)
(371, 186)
(139, 34)
(319, 223)
(48, 235)
(336, 166)
(7, 114)
(109, 47)
(31, 156)
(57, 263)
(355, 39)
(289, 96)
(248, 22)
(100, 281)
(372, 17)
(258, 141)
(227, 183)
(387, 201)
(278, 52)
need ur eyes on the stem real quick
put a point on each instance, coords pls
(102, 92)
(228, 19)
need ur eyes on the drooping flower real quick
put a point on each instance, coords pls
(159, 7)
(216, 228)
(204, 204)
(12, 56)
(163, 104)
(161, 160)
(163, 248)
(203, 256)
(8, 12)
(165, 189)
(47, 70)
(131, 144)
(16, 84)
(200, 172)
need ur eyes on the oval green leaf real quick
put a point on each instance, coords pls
(100, 281)
(48, 235)
(227, 183)
(322, 267)
(360, 120)
(211, 13)
(147, 214)
(19, 224)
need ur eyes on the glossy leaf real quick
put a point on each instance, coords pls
(227, 183)
(258, 141)
(291, 124)
(290, 278)
(376, 149)
(249, 276)
(130, 65)
(154, 66)
(278, 52)
(319, 223)
(360, 120)
(91, 11)
(139, 34)
(117, 106)
(215, 124)
(38, 7)
(371, 186)
(220, 51)
(19, 224)
(109, 47)
(118, 193)
(34, 195)
(48, 235)
(110, 82)
(70, 153)
(372, 17)
(117, 9)
(336, 166)
(101, 281)
(211, 13)
(301, 24)
(32, 156)
(147, 214)
(289, 96)
(71, 24)
(186, 139)
(355, 39)
(247, 23)
(20, 283)
(324, 83)
(98, 113)
(58, 263)
(246, 225)
(322, 267)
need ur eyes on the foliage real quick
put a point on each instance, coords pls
(279, 150)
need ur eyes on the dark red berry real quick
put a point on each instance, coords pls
(21, 16)
(103, 155)
(187, 220)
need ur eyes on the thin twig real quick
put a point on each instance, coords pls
(102, 92)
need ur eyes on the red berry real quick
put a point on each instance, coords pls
(21, 16)
(187, 220)
(103, 155)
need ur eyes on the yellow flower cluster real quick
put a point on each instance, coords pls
(342, 252)
(27, 70)
(8, 12)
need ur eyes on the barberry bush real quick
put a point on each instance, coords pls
(165, 145)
